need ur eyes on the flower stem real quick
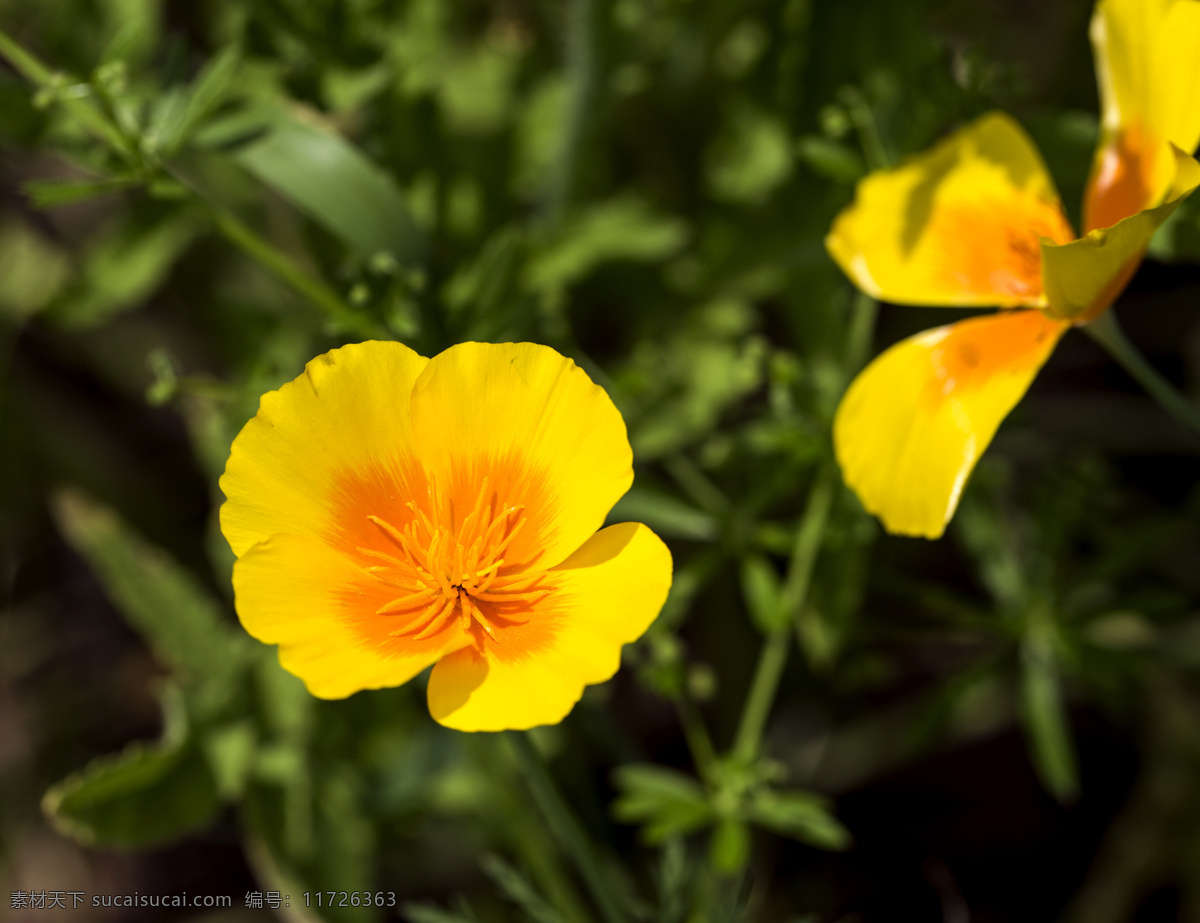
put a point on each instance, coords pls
(564, 825)
(773, 657)
(1107, 332)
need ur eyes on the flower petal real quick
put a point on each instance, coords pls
(915, 421)
(535, 425)
(1148, 68)
(958, 225)
(607, 594)
(320, 608)
(1084, 277)
(296, 466)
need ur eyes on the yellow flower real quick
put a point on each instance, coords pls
(389, 512)
(975, 222)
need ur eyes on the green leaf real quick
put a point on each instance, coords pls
(666, 515)
(122, 269)
(335, 184)
(231, 750)
(517, 888)
(667, 803)
(621, 228)
(750, 157)
(830, 159)
(760, 589)
(1045, 719)
(185, 627)
(730, 846)
(149, 793)
(47, 193)
(804, 816)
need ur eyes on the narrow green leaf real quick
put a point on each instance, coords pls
(1046, 723)
(804, 816)
(208, 91)
(335, 184)
(761, 590)
(186, 628)
(45, 193)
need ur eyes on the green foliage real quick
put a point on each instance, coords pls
(145, 795)
(209, 198)
(332, 182)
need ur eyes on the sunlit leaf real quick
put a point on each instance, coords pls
(186, 628)
(335, 184)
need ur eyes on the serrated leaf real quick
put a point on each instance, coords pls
(184, 626)
(761, 590)
(665, 802)
(335, 184)
(147, 794)
(517, 888)
(804, 816)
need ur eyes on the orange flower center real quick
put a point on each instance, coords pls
(444, 566)
(995, 245)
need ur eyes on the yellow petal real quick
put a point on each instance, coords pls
(607, 594)
(345, 419)
(913, 424)
(535, 425)
(321, 609)
(1084, 277)
(958, 225)
(1148, 68)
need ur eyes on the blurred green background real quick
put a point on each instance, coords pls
(201, 196)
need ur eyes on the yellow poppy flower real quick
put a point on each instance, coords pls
(389, 512)
(975, 222)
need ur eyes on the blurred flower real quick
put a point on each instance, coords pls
(390, 512)
(976, 221)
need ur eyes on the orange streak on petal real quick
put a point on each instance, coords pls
(994, 245)
(1120, 184)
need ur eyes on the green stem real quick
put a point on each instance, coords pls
(773, 657)
(33, 70)
(700, 744)
(1107, 332)
(279, 265)
(566, 828)
(771, 661)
